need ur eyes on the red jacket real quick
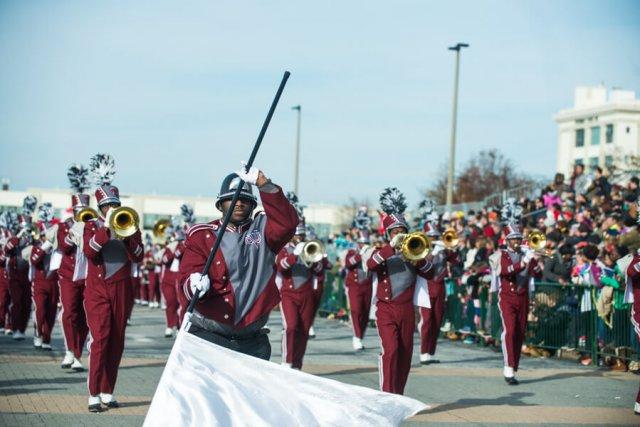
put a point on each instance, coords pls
(356, 278)
(242, 274)
(98, 245)
(39, 260)
(515, 275)
(440, 271)
(68, 249)
(293, 275)
(396, 277)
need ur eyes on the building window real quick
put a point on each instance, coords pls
(593, 163)
(608, 161)
(595, 135)
(579, 137)
(609, 134)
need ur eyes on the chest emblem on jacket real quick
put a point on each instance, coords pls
(253, 238)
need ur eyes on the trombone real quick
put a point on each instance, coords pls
(312, 251)
(537, 242)
(414, 246)
(86, 214)
(124, 222)
(160, 228)
(450, 238)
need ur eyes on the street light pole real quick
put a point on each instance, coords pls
(296, 172)
(454, 119)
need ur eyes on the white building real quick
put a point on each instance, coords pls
(602, 129)
(151, 207)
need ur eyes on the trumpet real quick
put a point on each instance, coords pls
(537, 241)
(160, 228)
(124, 222)
(312, 251)
(450, 238)
(86, 214)
(415, 246)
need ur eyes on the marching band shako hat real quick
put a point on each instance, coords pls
(512, 231)
(392, 221)
(229, 187)
(393, 203)
(431, 229)
(103, 169)
(79, 201)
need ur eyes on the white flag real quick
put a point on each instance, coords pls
(207, 385)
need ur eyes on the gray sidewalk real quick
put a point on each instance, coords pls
(467, 387)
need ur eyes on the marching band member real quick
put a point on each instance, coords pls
(18, 268)
(44, 279)
(72, 272)
(108, 287)
(5, 297)
(169, 277)
(513, 272)
(358, 280)
(396, 278)
(318, 289)
(296, 277)
(431, 318)
(188, 219)
(239, 291)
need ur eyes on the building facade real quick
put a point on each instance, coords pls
(601, 129)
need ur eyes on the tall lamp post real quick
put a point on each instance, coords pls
(296, 172)
(454, 119)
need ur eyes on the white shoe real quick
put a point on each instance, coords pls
(37, 342)
(94, 404)
(8, 332)
(143, 302)
(426, 357)
(168, 332)
(312, 332)
(164, 307)
(77, 365)
(357, 344)
(136, 301)
(68, 360)
(17, 335)
(288, 365)
(636, 408)
(46, 346)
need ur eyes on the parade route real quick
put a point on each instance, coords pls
(467, 387)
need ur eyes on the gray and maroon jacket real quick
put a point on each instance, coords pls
(516, 276)
(356, 278)
(242, 274)
(396, 277)
(293, 275)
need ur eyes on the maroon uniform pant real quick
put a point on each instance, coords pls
(396, 324)
(20, 292)
(168, 288)
(635, 321)
(106, 306)
(297, 309)
(513, 311)
(430, 322)
(154, 289)
(360, 304)
(144, 291)
(5, 301)
(74, 321)
(45, 299)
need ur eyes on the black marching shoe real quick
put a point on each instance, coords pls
(511, 380)
(96, 407)
(429, 362)
(113, 404)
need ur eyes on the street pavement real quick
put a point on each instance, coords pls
(467, 387)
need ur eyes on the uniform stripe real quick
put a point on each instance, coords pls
(96, 247)
(377, 258)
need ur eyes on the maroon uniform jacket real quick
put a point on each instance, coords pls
(40, 263)
(68, 249)
(515, 275)
(439, 271)
(109, 259)
(242, 274)
(633, 273)
(396, 277)
(293, 275)
(356, 278)
(17, 268)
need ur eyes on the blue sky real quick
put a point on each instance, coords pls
(177, 91)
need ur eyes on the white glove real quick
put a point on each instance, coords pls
(76, 233)
(397, 240)
(528, 256)
(200, 283)
(298, 249)
(437, 248)
(251, 176)
(107, 217)
(46, 246)
(50, 234)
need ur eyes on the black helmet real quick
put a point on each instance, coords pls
(229, 187)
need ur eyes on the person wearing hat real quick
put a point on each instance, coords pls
(239, 291)
(513, 271)
(296, 279)
(632, 295)
(441, 260)
(171, 255)
(359, 287)
(396, 278)
(44, 279)
(108, 287)
(72, 273)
